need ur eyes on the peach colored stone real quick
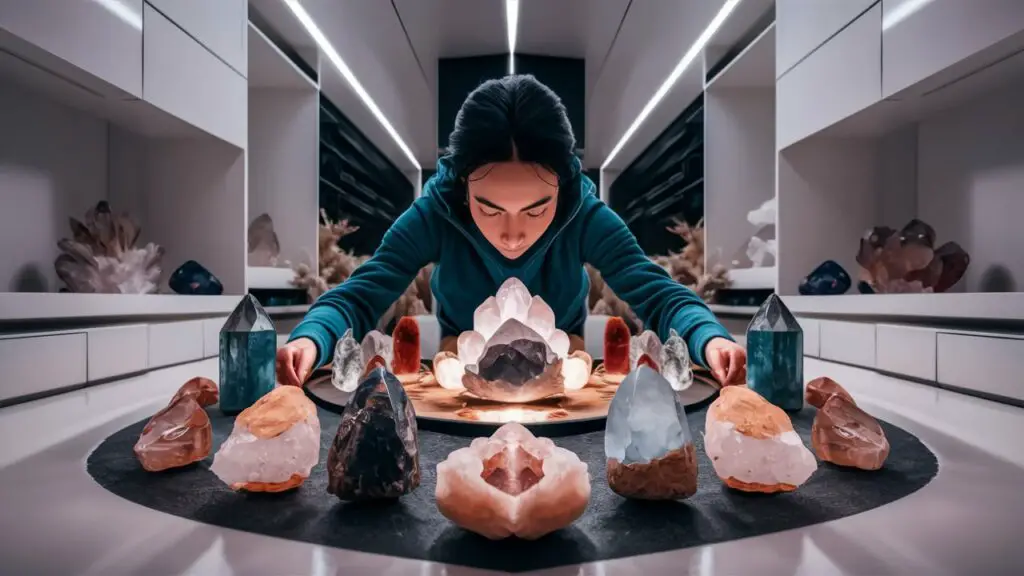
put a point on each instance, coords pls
(202, 389)
(845, 435)
(176, 436)
(406, 345)
(821, 389)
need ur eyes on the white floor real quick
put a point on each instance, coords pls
(55, 520)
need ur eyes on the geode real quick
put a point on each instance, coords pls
(375, 454)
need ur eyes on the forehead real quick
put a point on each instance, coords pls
(509, 179)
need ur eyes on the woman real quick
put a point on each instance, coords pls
(509, 199)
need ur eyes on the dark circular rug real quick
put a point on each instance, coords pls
(412, 527)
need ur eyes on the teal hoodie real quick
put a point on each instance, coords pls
(437, 229)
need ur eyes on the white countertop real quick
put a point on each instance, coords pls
(56, 520)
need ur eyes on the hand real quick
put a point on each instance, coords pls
(727, 361)
(295, 361)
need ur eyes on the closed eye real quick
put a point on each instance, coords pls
(537, 213)
(489, 214)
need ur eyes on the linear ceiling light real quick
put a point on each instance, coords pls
(512, 28)
(681, 67)
(321, 40)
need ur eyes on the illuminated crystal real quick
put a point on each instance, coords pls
(448, 371)
(576, 370)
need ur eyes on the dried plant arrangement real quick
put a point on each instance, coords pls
(101, 257)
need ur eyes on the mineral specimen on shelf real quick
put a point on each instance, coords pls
(617, 345)
(373, 364)
(514, 352)
(375, 454)
(752, 444)
(512, 484)
(647, 440)
(248, 346)
(647, 342)
(264, 248)
(192, 278)
(675, 362)
(348, 365)
(101, 257)
(908, 262)
(376, 343)
(176, 436)
(274, 444)
(406, 347)
(845, 435)
(761, 252)
(828, 279)
(775, 351)
(202, 390)
(821, 389)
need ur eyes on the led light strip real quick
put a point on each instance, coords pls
(681, 67)
(325, 45)
(512, 28)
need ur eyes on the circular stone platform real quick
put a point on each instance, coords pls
(459, 413)
(412, 527)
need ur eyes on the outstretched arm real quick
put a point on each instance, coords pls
(661, 302)
(411, 243)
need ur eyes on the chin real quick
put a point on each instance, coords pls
(514, 255)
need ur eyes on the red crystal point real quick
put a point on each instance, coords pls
(646, 360)
(406, 342)
(374, 363)
(616, 346)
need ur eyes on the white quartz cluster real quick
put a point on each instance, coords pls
(351, 357)
(672, 357)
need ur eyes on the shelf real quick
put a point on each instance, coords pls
(268, 278)
(762, 278)
(726, 310)
(269, 67)
(754, 67)
(279, 311)
(948, 306)
(26, 306)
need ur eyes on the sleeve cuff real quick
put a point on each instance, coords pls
(699, 338)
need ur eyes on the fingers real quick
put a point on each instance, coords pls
(286, 373)
(714, 359)
(303, 365)
(733, 369)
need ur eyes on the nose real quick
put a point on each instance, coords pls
(512, 237)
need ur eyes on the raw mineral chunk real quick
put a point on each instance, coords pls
(378, 344)
(821, 389)
(406, 342)
(176, 436)
(845, 435)
(645, 343)
(616, 346)
(202, 390)
(674, 362)
(348, 363)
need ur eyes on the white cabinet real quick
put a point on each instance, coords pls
(905, 350)
(103, 39)
(920, 39)
(219, 25)
(989, 365)
(188, 81)
(40, 364)
(118, 350)
(841, 78)
(812, 336)
(801, 26)
(175, 343)
(848, 342)
(211, 336)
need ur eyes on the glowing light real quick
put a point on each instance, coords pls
(124, 11)
(902, 11)
(512, 28)
(506, 415)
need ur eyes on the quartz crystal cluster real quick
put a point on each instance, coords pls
(775, 350)
(647, 440)
(514, 352)
(512, 484)
(671, 358)
(752, 444)
(375, 453)
(908, 262)
(399, 354)
(274, 444)
(180, 434)
(842, 433)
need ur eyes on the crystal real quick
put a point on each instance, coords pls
(375, 454)
(845, 435)
(576, 370)
(513, 300)
(954, 262)
(264, 248)
(512, 484)
(471, 346)
(248, 347)
(828, 279)
(647, 440)
(487, 318)
(541, 317)
(759, 250)
(274, 444)
(763, 215)
(376, 343)
(192, 278)
(176, 436)
(348, 364)
(752, 444)
(374, 363)
(517, 366)
(448, 371)
(906, 262)
(674, 362)
(406, 339)
(821, 389)
(775, 350)
(646, 360)
(616, 346)
(647, 342)
(202, 390)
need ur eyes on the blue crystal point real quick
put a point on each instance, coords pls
(248, 345)
(775, 355)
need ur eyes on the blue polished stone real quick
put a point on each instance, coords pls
(828, 279)
(248, 345)
(775, 355)
(192, 278)
(865, 288)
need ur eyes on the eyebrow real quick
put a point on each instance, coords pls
(490, 204)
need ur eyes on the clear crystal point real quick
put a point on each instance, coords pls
(646, 419)
(675, 362)
(348, 363)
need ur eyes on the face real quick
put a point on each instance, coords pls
(512, 204)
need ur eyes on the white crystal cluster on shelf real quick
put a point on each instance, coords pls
(351, 357)
(672, 358)
(760, 250)
(512, 317)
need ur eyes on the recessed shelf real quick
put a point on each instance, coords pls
(726, 310)
(269, 67)
(278, 311)
(948, 306)
(27, 306)
(268, 278)
(761, 278)
(754, 67)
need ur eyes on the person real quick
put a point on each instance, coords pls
(509, 199)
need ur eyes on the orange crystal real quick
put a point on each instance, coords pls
(616, 346)
(406, 342)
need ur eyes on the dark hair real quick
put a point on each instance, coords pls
(512, 113)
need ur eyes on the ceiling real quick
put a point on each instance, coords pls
(392, 47)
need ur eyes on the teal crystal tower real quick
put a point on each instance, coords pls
(775, 355)
(248, 345)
